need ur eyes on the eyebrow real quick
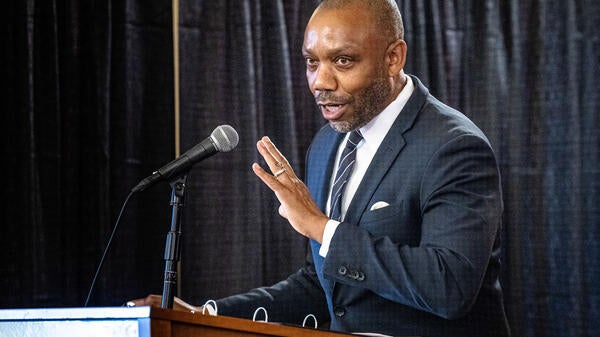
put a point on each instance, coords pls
(351, 50)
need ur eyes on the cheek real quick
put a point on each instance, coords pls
(353, 83)
(310, 80)
(358, 80)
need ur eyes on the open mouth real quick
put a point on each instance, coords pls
(331, 106)
(332, 111)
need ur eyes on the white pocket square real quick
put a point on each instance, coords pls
(378, 205)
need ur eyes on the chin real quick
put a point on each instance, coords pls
(342, 126)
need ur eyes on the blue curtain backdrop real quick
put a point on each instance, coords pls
(87, 111)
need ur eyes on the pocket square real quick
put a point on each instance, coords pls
(378, 205)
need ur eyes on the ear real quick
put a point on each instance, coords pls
(396, 57)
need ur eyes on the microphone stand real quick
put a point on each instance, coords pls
(172, 246)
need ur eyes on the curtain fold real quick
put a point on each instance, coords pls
(87, 112)
(78, 130)
(248, 85)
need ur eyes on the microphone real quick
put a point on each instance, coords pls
(224, 138)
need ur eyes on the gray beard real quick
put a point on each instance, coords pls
(371, 104)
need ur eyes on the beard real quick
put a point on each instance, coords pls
(367, 104)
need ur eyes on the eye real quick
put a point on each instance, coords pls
(311, 63)
(343, 61)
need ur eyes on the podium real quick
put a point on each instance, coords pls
(138, 322)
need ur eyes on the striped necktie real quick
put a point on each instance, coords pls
(343, 173)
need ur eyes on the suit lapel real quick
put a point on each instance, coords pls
(320, 164)
(387, 153)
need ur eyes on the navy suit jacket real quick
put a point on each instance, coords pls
(428, 264)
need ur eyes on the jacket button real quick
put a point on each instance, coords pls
(353, 274)
(339, 311)
(361, 276)
(342, 270)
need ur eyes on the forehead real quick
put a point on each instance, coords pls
(340, 29)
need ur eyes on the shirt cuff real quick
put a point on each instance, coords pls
(330, 228)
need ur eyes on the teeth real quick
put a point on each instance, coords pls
(332, 107)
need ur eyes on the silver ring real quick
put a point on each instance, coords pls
(278, 173)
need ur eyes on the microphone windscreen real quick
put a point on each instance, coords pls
(225, 138)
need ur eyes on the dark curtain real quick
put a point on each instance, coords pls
(87, 111)
(241, 66)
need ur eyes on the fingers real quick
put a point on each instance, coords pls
(150, 300)
(269, 180)
(277, 163)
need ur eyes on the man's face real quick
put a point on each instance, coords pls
(345, 67)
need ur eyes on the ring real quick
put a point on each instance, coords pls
(280, 164)
(278, 173)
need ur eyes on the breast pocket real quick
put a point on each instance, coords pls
(393, 221)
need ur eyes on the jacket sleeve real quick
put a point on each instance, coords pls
(288, 301)
(459, 209)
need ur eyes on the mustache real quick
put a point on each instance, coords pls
(329, 97)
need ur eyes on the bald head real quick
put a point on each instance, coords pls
(384, 12)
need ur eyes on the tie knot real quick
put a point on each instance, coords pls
(354, 138)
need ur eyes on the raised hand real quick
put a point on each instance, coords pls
(297, 204)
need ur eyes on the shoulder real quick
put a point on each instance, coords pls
(440, 118)
(438, 123)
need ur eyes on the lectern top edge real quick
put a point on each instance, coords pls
(74, 313)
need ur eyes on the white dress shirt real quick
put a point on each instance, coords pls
(373, 134)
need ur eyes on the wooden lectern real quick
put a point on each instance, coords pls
(138, 322)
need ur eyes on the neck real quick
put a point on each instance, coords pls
(398, 83)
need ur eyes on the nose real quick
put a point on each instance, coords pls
(322, 79)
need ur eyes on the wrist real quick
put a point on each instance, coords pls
(319, 228)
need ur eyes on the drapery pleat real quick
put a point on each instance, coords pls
(248, 85)
(84, 117)
(87, 111)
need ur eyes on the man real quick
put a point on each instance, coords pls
(404, 224)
